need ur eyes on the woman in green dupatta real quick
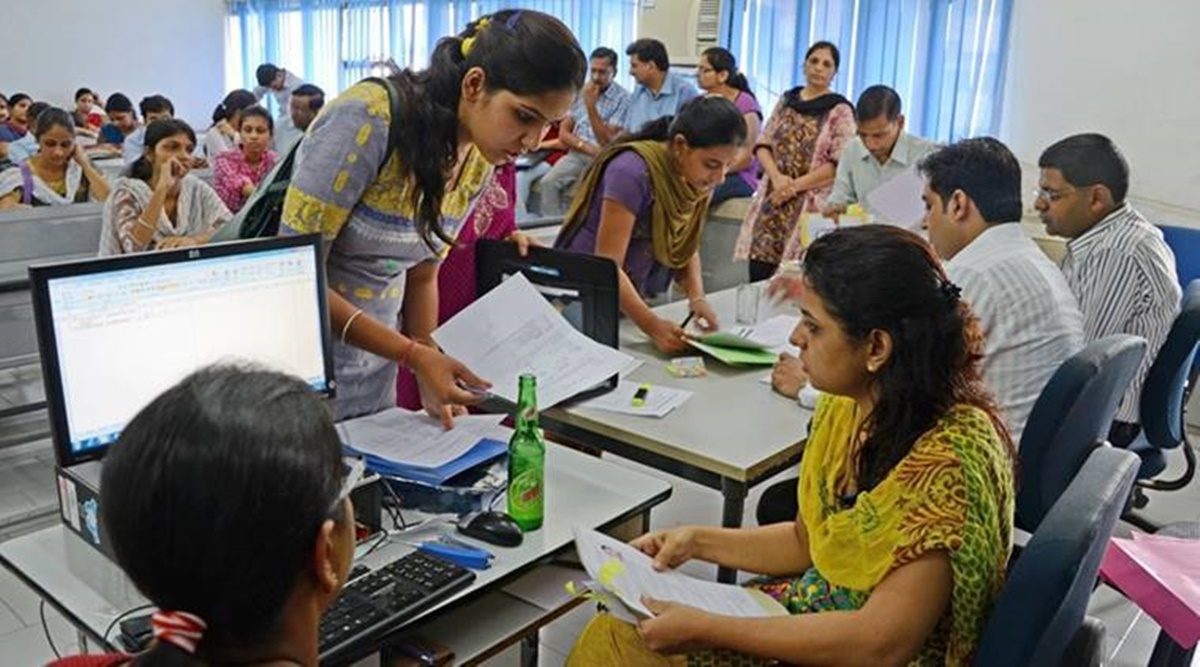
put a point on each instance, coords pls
(643, 202)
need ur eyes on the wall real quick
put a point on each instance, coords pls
(137, 47)
(667, 21)
(1125, 69)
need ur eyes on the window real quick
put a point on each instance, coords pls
(944, 57)
(334, 43)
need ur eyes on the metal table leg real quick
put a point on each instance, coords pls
(734, 494)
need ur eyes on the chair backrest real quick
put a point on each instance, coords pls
(1071, 417)
(1045, 598)
(1163, 394)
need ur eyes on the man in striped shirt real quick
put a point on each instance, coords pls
(1117, 264)
(1030, 321)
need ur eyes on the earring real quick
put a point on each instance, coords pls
(871, 368)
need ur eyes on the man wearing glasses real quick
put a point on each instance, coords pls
(1117, 264)
(1030, 321)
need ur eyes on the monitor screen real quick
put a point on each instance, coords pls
(115, 333)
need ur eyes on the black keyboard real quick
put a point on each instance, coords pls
(379, 601)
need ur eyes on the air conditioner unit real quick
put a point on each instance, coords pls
(687, 27)
(704, 25)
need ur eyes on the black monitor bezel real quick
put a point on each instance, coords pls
(39, 280)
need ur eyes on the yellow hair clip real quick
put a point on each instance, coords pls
(468, 43)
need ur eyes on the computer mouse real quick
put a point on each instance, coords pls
(492, 527)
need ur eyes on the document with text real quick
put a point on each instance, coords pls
(513, 330)
(626, 574)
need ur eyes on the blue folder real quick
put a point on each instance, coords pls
(484, 451)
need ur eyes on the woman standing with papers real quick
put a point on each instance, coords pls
(488, 95)
(642, 203)
(906, 487)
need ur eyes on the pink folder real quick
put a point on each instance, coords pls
(1162, 576)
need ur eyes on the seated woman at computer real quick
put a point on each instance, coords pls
(906, 486)
(643, 202)
(487, 96)
(232, 586)
(159, 205)
(59, 173)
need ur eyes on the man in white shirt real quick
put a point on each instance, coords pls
(1117, 264)
(881, 152)
(1030, 320)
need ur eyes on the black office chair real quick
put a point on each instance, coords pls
(1163, 407)
(1039, 618)
(1071, 417)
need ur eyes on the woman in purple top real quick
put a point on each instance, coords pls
(717, 74)
(643, 202)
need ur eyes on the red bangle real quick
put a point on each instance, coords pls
(403, 360)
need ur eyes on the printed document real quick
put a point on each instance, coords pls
(513, 330)
(416, 439)
(625, 574)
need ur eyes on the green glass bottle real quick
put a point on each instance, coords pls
(527, 460)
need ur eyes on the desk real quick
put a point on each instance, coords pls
(733, 433)
(90, 591)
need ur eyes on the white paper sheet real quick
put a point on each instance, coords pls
(659, 400)
(629, 575)
(898, 200)
(816, 226)
(416, 439)
(513, 330)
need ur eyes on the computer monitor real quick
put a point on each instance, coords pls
(116, 332)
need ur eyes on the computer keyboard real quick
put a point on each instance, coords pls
(379, 601)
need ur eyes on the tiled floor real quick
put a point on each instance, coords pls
(26, 485)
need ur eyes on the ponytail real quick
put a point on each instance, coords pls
(739, 81)
(521, 51)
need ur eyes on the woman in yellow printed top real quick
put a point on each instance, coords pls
(487, 96)
(906, 487)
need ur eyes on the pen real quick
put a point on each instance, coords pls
(639, 397)
(687, 319)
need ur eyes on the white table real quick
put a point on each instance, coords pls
(91, 592)
(733, 433)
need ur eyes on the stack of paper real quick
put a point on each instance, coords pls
(898, 202)
(623, 575)
(757, 345)
(513, 330)
(414, 446)
(658, 401)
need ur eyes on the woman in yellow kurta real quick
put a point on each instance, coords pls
(906, 487)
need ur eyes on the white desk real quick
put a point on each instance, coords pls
(733, 433)
(91, 592)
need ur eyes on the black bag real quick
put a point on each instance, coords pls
(260, 216)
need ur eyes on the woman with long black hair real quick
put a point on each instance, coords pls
(487, 96)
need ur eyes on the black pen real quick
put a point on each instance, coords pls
(687, 319)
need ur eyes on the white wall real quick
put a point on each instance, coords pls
(1125, 69)
(667, 21)
(137, 47)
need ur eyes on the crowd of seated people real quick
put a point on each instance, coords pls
(878, 526)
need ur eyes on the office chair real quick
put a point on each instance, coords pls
(1070, 418)
(1163, 407)
(1040, 617)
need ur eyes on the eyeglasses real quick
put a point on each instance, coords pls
(1051, 195)
(353, 476)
